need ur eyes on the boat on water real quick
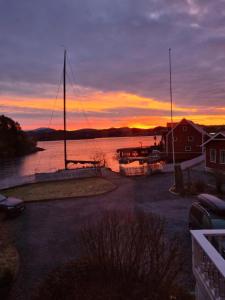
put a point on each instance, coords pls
(67, 162)
(140, 160)
(141, 154)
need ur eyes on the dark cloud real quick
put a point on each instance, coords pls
(116, 45)
(48, 117)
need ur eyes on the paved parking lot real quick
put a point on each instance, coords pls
(45, 234)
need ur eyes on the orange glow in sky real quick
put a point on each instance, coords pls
(97, 109)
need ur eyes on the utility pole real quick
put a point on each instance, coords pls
(64, 110)
(171, 107)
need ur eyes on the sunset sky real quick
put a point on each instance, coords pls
(118, 72)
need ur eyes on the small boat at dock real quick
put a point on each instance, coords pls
(140, 160)
(140, 154)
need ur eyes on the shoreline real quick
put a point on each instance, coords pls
(35, 150)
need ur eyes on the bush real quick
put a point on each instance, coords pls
(220, 181)
(8, 263)
(198, 186)
(13, 141)
(123, 257)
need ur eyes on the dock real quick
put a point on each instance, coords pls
(83, 162)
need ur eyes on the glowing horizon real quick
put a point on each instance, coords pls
(100, 110)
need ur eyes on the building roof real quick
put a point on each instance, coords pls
(197, 127)
(216, 137)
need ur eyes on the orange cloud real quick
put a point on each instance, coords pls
(94, 101)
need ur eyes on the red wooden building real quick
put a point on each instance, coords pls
(215, 152)
(188, 140)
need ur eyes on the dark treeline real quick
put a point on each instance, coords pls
(51, 134)
(47, 134)
(13, 141)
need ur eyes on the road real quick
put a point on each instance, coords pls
(45, 234)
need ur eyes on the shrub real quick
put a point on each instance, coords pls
(220, 181)
(8, 262)
(198, 186)
(123, 257)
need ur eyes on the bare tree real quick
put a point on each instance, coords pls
(123, 257)
(136, 248)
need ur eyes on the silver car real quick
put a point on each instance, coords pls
(11, 206)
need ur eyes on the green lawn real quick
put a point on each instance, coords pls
(61, 189)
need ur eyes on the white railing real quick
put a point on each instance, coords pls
(208, 264)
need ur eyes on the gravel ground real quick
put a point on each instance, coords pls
(45, 234)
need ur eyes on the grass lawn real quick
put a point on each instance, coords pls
(61, 189)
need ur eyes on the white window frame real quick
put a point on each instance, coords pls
(188, 148)
(210, 155)
(190, 138)
(185, 128)
(222, 162)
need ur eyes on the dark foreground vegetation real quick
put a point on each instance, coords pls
(189, 183)
(123, 257)
(13, 141)
(9, 261)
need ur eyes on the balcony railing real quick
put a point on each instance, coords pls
(209, 264)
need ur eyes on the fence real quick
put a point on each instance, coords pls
(185, 164)
(42, 177)
(141, 170)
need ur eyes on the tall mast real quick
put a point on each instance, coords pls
(171, 106)
(64, 110)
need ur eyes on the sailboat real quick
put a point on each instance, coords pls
(67, 161)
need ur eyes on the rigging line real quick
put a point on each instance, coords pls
(82, 106)
(73, 83)
(94, 143)
(52, 113)
(55, 100)
(97, 148)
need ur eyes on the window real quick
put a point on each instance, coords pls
(222, 156)
(212, 154)
(185, 128)
(187, 148)
(190, 138)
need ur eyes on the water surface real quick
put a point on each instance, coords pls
(52, 158)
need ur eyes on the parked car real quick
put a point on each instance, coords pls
(207, 213)
(11, 206)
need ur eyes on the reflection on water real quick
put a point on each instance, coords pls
(52, 158)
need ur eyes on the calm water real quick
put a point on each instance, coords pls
(52, 158)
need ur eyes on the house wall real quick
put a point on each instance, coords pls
(181, 140)
(218, 145)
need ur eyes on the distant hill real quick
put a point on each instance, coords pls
(42, 129)
(49, 134)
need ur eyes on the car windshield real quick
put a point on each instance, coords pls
(218, 223)
(2, 197)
